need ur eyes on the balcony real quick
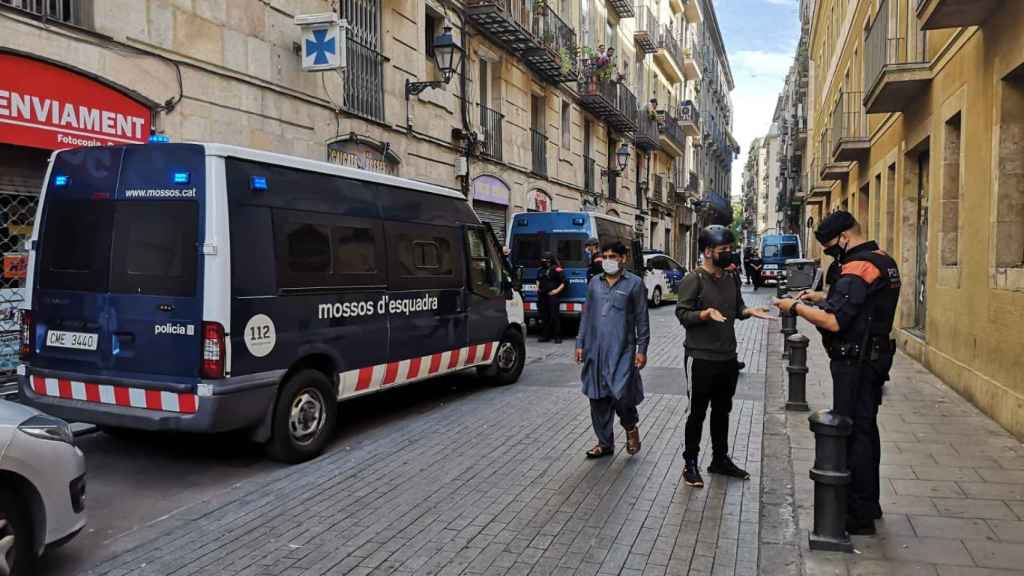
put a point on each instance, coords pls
(554, 57)
(669, 57)
(850, 142)
(539, 152)
(658, 192)
(895, 68)
(538, 35)
(830, 170)
(589, 173)
(607, 99)
(689, 118)
(673, 140)
(645, 34)
(622, 8)
(693, 11)
(815, 187)
(936, 14)
(692, 183)
(646, 135)
(490, 128)
(691, 66)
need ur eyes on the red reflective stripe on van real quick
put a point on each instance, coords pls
(64, 388)
(92, 392)
(471, 358)
(39, 385)
(453, 360)
(488, 348)
(391, 374)
(414, 368)
(121, 396)
(365, 377)
(153, 400)
(435, 363)
(187, 403)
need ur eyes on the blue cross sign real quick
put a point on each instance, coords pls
(320, 48)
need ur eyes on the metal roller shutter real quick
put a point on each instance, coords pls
(494, 214)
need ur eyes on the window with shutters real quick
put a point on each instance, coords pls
(364, 74)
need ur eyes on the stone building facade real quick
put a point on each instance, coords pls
(916, 121)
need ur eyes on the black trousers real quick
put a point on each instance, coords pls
(856, 394)
(550, 316)
(712, 383)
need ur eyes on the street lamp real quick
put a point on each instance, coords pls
(621, 159)
(448, 57)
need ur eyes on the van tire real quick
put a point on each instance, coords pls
(656, 299)
(294, 437)
(511, 343)
(16, 524)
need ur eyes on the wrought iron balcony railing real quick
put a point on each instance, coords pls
(539, 152)
(646, 29)
(490, 127)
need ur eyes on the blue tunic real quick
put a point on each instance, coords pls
(614, 327)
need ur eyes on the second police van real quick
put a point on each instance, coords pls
(206, 288)
(564, 234)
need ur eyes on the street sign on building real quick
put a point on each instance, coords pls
(323, 41)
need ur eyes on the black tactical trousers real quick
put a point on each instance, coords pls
(856, 394)
(550, 315)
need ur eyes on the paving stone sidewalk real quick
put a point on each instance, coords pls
(952, 480)
(494, 483)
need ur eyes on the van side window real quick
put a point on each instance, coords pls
(309, 249)
(484, 270)
(354, 250)
(424, 256)
(323, 250)
(427, 257)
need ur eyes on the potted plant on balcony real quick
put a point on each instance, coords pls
(567, 60)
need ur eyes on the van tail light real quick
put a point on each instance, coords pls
(26, 334)
(213, 350)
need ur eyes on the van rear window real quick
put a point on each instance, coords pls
(120, 247)
(781, 251)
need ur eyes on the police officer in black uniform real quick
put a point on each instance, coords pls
(550, 284)
(593, 248)
(855, 319)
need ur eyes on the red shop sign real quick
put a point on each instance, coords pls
(46, 106)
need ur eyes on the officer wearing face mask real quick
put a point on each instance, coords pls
(855, 319)
(593, 250)
(710, 301)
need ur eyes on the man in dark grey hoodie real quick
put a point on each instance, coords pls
(710, 301)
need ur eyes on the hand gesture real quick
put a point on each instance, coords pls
(579, 355)
(640, 360)
(783, 304)
(811, 296)
(762, 313)
(712, 314)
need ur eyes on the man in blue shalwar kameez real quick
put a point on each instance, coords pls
(612, 345)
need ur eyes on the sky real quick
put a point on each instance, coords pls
(760, 38)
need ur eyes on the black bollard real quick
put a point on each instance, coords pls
(788, 329)
(797, 369)
(830, 477)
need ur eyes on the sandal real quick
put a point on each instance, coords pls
(633, 440)
(599, 452)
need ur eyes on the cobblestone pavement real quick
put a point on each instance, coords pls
(492, 483)
(952, 481)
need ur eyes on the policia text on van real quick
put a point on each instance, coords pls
(267, 291)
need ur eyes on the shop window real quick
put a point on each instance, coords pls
(1008, 235)
(949, 241)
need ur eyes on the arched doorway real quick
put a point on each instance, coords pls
(614, 214)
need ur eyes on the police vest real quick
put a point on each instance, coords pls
(882, 276)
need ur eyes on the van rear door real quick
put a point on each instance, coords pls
(118, 276)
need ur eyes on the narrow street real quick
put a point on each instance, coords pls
(447, 477)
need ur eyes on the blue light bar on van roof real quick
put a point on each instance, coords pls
(522, 222)
(181, 177)
(577, 221)
(61, 180)
(258, 184)
(159, 139)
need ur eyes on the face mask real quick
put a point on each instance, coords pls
(611, 267)
(545, 264)
(722, 260)
(835, 251)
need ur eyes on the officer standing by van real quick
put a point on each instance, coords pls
(612, 346)
(855, 319)
(710, 301)
(550, 284)
(593, 250)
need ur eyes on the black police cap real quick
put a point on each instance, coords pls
(715, 235)
(833, 225)
(547, 256)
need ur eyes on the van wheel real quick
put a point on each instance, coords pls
(304, 418)
(656, 298)
(508, 360)
(16, 556)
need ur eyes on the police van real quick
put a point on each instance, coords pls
(206, 288)
(564, 234)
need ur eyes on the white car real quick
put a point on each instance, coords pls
(42, 486)
(662, 277)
